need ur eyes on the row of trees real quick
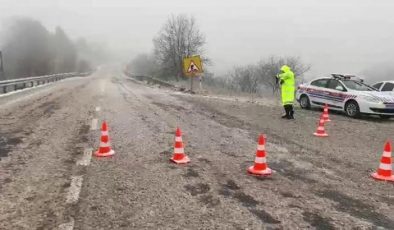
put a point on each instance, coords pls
(261, 76)
(180, 37)
(29, 49)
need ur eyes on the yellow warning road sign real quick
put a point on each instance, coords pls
(192, 66)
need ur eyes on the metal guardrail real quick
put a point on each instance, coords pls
(149, 80)
(22, 83)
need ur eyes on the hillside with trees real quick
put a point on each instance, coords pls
(29, 49)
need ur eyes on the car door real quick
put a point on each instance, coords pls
(335, 94)
(317, 92)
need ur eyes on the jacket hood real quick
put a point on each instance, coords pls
(285, 68)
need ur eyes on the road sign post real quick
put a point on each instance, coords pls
(200, 83)
(191, 82)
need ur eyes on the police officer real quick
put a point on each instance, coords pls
(287, 82)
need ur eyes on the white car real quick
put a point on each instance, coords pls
(384, 86)
(345, 93)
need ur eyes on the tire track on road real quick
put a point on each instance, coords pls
(294, 188)
(288, 170)
(199, 187)
(74, 190)
(38, 167)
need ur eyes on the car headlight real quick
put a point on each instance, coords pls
(373, 99)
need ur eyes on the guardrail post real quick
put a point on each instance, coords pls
(4, 89)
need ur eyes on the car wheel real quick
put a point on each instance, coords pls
(352, 109)
(304, 102)
(385, 117)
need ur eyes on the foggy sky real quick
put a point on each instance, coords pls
(346, 36)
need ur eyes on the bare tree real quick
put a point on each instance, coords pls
(299, 68)
(179, 38)
(267, 70)
(245, 79)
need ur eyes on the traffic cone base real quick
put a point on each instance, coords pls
(184, 160)
(260, 166)
(384, 178)
(320, 134)
(108, 154)
(265, 172)
(385, 169)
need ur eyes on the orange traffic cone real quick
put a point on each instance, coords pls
(105, 145)
(385, 170)
(325, 113)
(179, 156)
(260, 166)
(320, 132)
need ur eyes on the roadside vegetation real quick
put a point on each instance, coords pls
(180, 37)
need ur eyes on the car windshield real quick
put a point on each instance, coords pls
(355, 85)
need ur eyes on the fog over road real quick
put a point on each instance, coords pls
(48, 181)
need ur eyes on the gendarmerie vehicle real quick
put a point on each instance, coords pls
(345, 93)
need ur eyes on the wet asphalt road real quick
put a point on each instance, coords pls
(46, 133)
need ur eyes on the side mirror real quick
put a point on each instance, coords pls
(340, 88)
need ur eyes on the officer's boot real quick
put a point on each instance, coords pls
(286, 112)
(291, 112)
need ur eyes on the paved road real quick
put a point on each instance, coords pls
(48, 181)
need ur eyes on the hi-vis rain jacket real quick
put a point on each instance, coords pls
(287, 80)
